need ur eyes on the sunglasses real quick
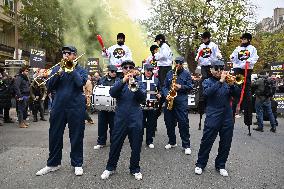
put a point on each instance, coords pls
(67, 52)
(149, 70)
(112, 71)
(128, 67)
(218, 68)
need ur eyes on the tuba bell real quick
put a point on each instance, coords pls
(238, 79)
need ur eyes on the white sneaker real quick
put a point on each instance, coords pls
(151, 146)
(169, 146)
(138, 176)
(224, 173)
(238, 116)
(78, 171)
(98, 147)
(198, 170)
(46, 170)
(187, 151)
(106, 174)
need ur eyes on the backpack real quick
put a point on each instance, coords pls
(269, 87)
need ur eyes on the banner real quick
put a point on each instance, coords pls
(279, 98)
(14, 62)
(37, 58)
(277, 69)
(92, 65)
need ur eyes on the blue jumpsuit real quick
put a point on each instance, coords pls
(68, 106)
(127, 121)
(150, 116)
(179, 112)
(219, 119)
(105, 118)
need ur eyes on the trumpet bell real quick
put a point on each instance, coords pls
(239, 79)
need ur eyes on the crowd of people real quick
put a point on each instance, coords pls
(164, 85)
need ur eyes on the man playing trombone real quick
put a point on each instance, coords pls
(69, 108)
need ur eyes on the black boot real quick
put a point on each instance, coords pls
(273, 129)
(35, 119)
(42, 119)
(258, 129)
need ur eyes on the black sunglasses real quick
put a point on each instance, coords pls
(66, 52)
(128, 67)
(149, 70)
(218, 68)
(112, 71)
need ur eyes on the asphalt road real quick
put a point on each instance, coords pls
(254, 162)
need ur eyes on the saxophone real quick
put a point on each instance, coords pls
(172, 93)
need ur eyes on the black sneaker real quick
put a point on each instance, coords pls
(258, 129)
(42, 119)
(9, 121)
(273, 129)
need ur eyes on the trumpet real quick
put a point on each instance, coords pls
(238, 79)
(132, 84)
(65, 64)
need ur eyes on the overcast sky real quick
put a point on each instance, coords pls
(137, 9)
(265, 7)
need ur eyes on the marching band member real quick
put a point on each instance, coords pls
(245, 55)
(118, 53)
(164, 56)
(152, 86)
(206, 53)
(127, 121)
(151, 59)
(219, 118)
(106, 118)
(179, 111)
(68, 107)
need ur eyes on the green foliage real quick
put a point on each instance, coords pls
(42, 24)
(270, 49)
(182, 21)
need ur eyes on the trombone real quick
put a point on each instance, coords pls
(65, 64)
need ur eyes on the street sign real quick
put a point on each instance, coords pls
(92, 65)
(37, 58)
(14, 62)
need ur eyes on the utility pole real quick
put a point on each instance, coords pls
(16, 30)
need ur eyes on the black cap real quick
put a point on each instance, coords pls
(128, 62)
(160, 37)
(112, 68)
(205, 35)
(153, 47)
(217, 63)
(69, 48)
(120, 35)
(179, 60)
(148, 66)
(247, 36)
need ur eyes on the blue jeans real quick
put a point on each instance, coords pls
(264, 105)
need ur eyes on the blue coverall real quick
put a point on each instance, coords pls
(219, 119)
(179, 112)
(105, 118)
(68, 106)
(127, 121)
(150, 116)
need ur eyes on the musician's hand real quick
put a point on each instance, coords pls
(223, 76)
(126, 78)
(158, 95)
(104, 49)
(60, 71)
(177, 87)
(168, 97)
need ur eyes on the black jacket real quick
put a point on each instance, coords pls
(21, 86)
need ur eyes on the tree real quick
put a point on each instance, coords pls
(182, 21)
(42, 25)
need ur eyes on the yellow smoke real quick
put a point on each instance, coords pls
(111, 18)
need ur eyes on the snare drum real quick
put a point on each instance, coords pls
(102, 100)
(150, 105)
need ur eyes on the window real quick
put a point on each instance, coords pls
(10, 4)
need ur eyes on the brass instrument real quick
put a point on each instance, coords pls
(65, 64)
(238, 79)
(132, 84)
(172, 93)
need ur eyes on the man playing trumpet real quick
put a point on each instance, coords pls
(218, 91)
(129, 93)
